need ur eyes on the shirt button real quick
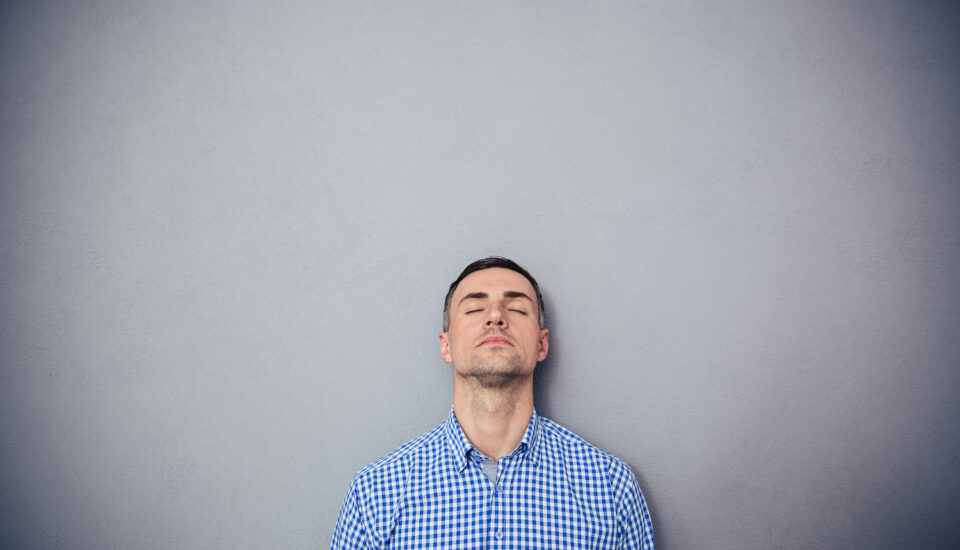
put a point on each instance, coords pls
(499, 534)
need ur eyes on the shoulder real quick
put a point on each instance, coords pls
(425, 446)
(588, 464)
(376, 493)
(584, 460)
(557, 438)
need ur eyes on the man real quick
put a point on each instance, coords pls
(494, 474)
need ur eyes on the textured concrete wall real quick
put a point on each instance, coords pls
(226, 231)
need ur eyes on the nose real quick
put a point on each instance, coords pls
(495, 317)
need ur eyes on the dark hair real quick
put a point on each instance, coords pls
(487, 263)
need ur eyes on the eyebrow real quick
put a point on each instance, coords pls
(506, 294)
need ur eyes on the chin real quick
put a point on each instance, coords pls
(497, 374)
(497, 381)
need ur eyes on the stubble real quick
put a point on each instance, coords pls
(496, 372)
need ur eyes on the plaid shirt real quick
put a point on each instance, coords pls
(554, 491)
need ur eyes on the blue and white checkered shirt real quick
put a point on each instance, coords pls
(554, 491)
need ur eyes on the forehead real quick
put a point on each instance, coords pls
(494, 281)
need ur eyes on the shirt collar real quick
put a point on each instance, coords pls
(461, 447)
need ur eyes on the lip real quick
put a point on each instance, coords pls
(495, 341)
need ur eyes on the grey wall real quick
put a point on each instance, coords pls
(227, 231)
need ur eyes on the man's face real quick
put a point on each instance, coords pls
(494, 333)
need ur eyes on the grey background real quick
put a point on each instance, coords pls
(227, 230)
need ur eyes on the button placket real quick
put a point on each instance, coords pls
(496, 499)
(494, 521)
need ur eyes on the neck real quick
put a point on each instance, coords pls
(493, 419)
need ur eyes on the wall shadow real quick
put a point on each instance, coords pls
(544, 375)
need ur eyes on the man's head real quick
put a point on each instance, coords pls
(488, 263)
(493, 324)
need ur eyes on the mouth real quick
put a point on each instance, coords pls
(495, 341)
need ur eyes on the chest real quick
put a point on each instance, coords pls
(528, 506)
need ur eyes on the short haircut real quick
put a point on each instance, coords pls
(487, 263)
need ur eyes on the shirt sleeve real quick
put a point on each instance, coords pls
(350, 533)
(634, 527)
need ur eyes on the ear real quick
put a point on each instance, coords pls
(544, 345)
(445, 347)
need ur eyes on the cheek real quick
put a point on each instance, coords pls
(456, 343)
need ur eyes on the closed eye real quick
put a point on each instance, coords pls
(520, 311)
(471, 311)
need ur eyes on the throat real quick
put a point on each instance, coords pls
(494, 426)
